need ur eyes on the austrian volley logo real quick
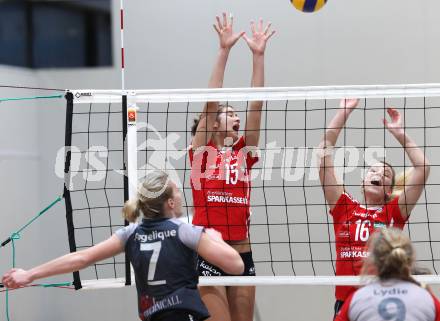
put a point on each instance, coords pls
(131, 115)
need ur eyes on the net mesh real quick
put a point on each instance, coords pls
(96, 182)
(291, 232)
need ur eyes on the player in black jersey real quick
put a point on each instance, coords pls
(162, 250)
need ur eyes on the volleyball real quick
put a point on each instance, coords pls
(308, 5)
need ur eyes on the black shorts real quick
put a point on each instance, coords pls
(338, 306)
(207, 269)
(175, 315)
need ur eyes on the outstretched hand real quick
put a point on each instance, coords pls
(260, 36)
(225, 33)
(350, 104)
(395, 125)
(16, 278)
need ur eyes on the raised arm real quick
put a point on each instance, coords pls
(227, 39)
(213, 249)
(257, 44)
(76, 261)
(332, 188)
(416, 181)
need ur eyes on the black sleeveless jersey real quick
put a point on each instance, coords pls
(163, 255)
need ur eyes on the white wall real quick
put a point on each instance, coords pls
(171, 44)
(19, 169)
(347, 42)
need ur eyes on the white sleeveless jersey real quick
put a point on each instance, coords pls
(391, 300)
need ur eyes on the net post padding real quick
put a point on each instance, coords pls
(66, 192)
(126, 180)
(130, 159)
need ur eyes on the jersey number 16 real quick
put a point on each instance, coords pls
(362, 230)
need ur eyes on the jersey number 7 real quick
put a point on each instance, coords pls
(155, 247)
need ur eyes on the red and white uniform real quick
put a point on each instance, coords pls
(353, 225)
(390, 300)
(220, 182)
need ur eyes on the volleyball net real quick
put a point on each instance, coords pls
(114, 138)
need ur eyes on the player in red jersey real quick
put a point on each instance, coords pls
(354, 221)
(221, 161)
(395, 295)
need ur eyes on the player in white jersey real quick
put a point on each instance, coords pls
(395, 295)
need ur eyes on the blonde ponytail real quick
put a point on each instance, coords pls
(392, 255)
(130, 210)
(152, 193)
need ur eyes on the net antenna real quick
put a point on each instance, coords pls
(122, 45)
(115, 137)
(129, 133)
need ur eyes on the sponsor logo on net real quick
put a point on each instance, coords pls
(83, 94)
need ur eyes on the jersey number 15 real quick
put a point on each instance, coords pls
(231, 174)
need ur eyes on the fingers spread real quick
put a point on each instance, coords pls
(216, 28)
(267, 28)
(219, 24)
(253, 27)
(246, 38)
(225, 20)
(271, 34)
